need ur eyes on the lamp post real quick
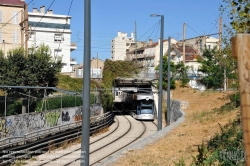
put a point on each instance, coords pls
(169, 80)
(160, 72)
(86, 85)
(225, 75)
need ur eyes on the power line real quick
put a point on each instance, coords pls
(38, 22)
(213, 26)
(13, 16)
(154, 26)
(149, 29)
(193, 29)
(65, 24)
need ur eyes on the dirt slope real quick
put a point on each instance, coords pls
(201, 123)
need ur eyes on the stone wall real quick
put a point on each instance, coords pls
(176, 106)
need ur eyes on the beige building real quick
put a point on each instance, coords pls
(12, 24)
(96, 68)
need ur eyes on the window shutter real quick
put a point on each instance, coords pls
(1, 16)
(15, 18)
(15, 37)
(1, 37)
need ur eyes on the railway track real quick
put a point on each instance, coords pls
(43, 143)
(124, 131)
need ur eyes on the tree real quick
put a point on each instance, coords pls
(36, 69)
(178, 72)
(214, 64)
(239, 13)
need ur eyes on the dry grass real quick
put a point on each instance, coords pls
(104, 130)
(201, 123)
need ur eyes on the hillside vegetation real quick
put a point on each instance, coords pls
(73, 84)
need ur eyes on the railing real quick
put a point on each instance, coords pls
(20, 140)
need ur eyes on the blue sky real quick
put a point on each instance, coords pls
(110, 16)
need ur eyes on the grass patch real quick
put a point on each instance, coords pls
(203, 116)
(20, 162)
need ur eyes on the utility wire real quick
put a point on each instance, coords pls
(38, 22)
(154, 26)
(149, 30)
(13, 16)
(193, 29)
(213, 26)
(64, 27)
(157, 31)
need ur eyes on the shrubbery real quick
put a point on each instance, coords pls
(225, 148)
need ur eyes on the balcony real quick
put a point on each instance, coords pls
(143, 56)
(73, 46)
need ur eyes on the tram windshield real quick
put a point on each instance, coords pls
(146, 110)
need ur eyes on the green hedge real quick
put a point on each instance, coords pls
(15, 107)
(61, 102)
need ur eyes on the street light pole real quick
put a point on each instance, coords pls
(168, 95)
(160, 72)
(86, 85)
(225, 76)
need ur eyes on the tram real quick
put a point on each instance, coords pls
(144, 107)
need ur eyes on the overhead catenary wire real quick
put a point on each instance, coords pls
(193, 29)
(154, 26)
(213, 26)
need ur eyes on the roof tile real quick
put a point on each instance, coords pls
(12, 2)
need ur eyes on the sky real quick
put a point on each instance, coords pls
(110, 16)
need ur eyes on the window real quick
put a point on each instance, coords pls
(15, 37)
(1, 16)
(58, 37)
(57, 52)
(15, 17)
(1, 37)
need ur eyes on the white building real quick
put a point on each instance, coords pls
(120, 45)
(202, 42)
(52, 30)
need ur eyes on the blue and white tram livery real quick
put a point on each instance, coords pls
(144, 107)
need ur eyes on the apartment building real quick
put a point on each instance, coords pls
(96, 69)
(120, 46)
(53, 30)
(13, 18)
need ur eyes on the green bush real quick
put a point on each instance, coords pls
(61, 102)
(235, 98)
(229, 140)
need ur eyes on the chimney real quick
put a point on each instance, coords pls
(50, 12)
(119, 33)
(42, 9)
(35, 10)
(150, 42)
(22, 0)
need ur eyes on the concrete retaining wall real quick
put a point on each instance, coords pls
(18, 125)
